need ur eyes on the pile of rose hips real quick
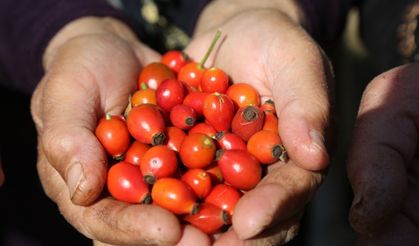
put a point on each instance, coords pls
(190, 141)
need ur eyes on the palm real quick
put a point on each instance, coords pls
(91, 76)
(267, 50)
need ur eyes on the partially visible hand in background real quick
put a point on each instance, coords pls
(383, 164)
(268, 48)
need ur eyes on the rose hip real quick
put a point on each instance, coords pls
(247, 121)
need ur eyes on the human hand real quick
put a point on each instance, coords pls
(383, 163)
(91, 67)
(266, 48)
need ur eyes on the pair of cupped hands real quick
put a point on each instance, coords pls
(92, 66)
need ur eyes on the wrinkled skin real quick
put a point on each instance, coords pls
(385, 178)
(93, 74)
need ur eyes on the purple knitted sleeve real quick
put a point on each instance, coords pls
(26, 26)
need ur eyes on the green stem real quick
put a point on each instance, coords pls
(214, 41)
(143, 86)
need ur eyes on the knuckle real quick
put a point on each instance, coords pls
(57, 143)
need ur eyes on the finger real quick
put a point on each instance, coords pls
(75, 92)
(411, 203)
(280, 196)
(290, 68)
(192, 236)
(110, 221)
(383, 145)
(278, 235)
(300, 92)
(402, 228)
(145, 54)
(400, 231)
(298, 75)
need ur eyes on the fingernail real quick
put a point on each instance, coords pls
(317, 139)
(74, 177)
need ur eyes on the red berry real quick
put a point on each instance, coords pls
(191, 74)
(125, 183)
(218, 111)
(174, 195)
(225, 197)
(158, 162)
(209, 218)
(112, 133)
(146, 124)
(153, 74)
(228, 140)
(174, 59)
(214, 80)
(170, 93)
(199, 180)
(197, 150)
(239, 168)
(136, 152)
(247, 121)
(183, 116)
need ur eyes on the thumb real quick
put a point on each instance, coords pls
(302, 102)
(90, 76)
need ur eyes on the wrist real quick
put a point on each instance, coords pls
(219, 11)
(87, 26)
